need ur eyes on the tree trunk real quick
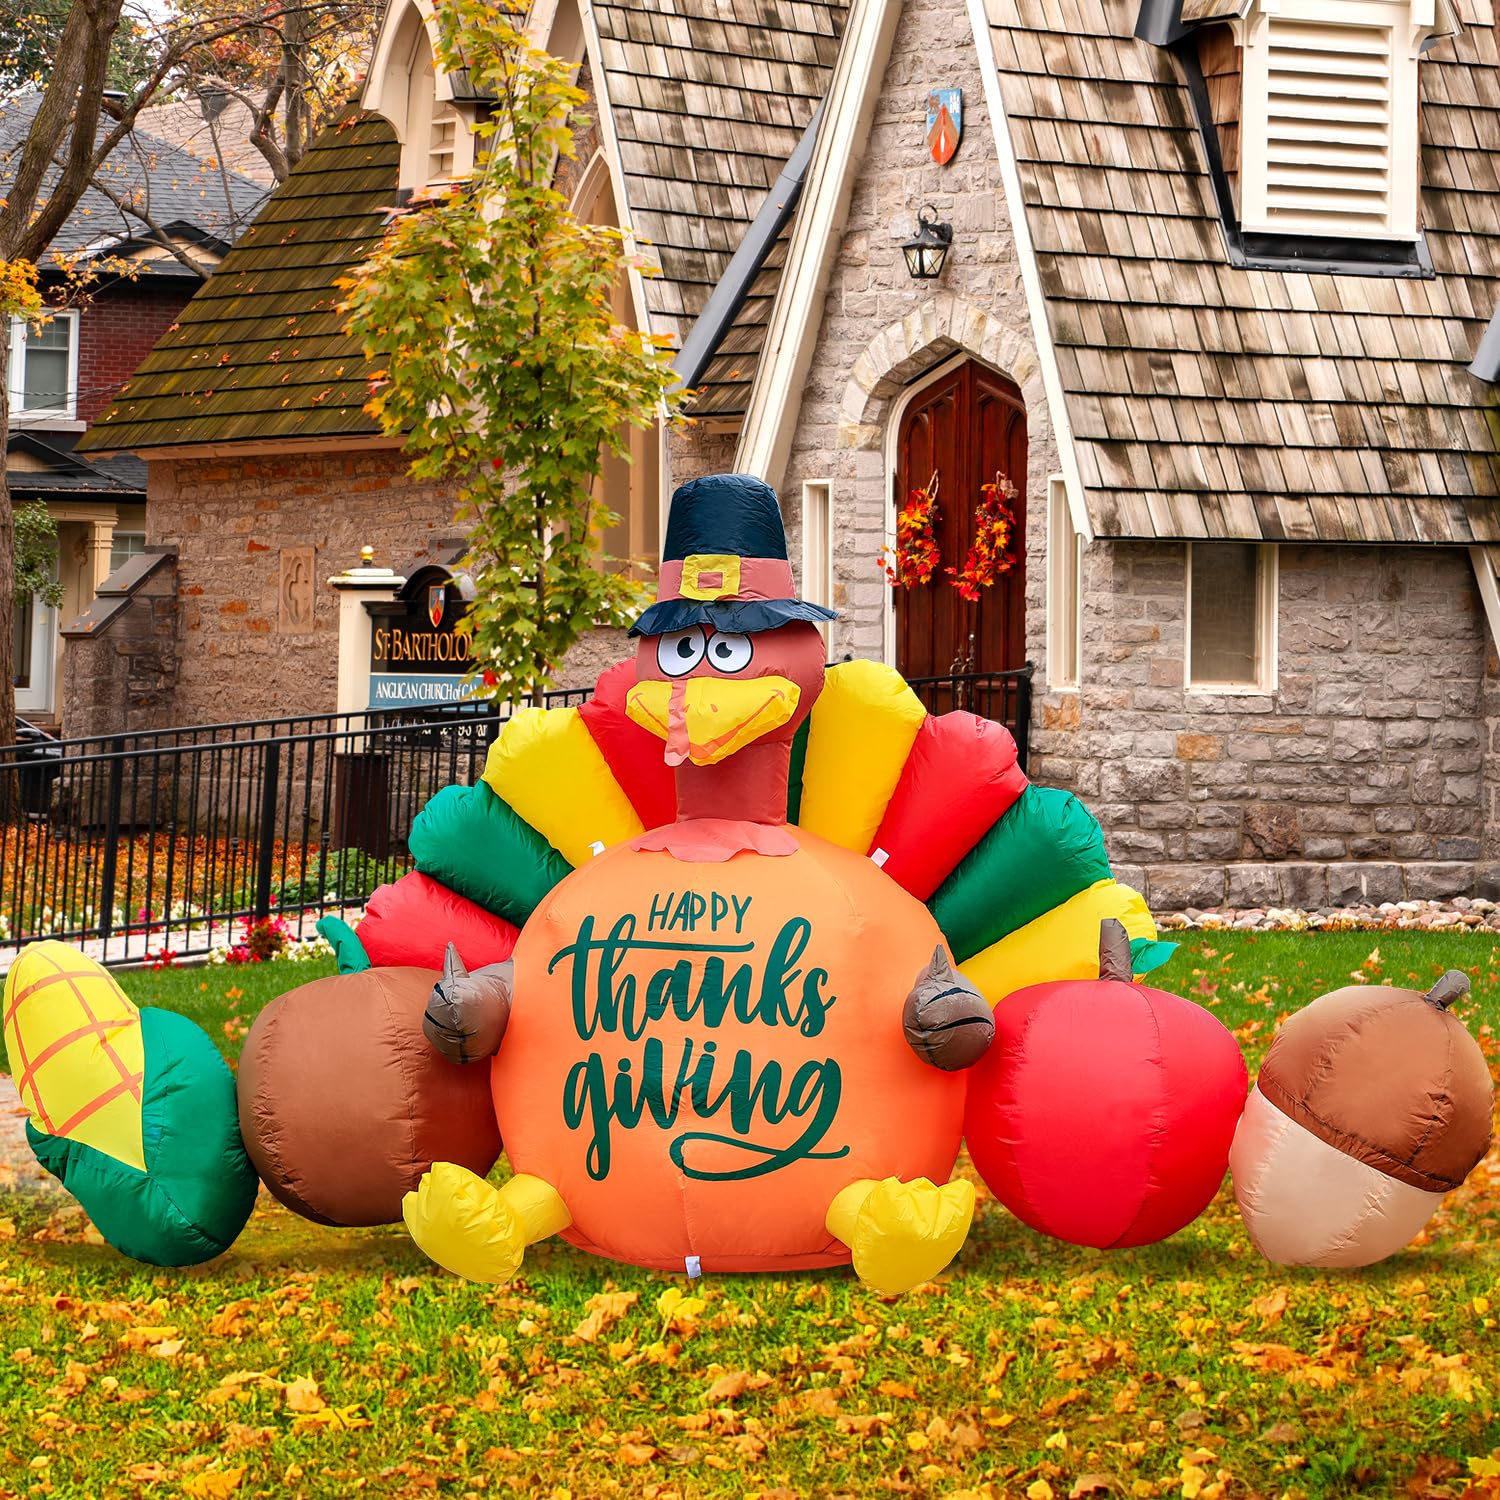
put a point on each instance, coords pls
(9, 787)
(294, 72)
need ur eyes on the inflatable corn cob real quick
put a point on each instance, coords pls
(132, 1110)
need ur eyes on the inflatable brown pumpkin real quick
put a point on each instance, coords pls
(1371, 1104)
(344, 1104)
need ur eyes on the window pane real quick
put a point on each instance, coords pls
(1223, 613)
(44, 377)
(57, 334)
(123, 546)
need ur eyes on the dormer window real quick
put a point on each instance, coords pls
(433, 113)
(1329, 126)
(1309, 116)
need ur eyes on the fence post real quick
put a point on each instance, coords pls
(266, 850)
(112, 840)
(1023, 713)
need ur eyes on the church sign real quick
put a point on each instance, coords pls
(419, 655)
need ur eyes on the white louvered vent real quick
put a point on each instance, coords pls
(1328, 125)
(1330, 140)
(444, 147)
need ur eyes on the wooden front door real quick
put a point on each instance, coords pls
(965, 428)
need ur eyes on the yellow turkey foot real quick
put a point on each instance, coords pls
(901, 1233)
(478, 1231)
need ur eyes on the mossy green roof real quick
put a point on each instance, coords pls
(260, 351)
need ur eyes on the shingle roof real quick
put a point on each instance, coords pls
(1208, 401)
(212, 136)
(56, 472)
(724, 386)
(260, 351)
(175, 187)
(709, 98)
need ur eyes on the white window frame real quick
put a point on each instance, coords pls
(116, 539)
(1404, 23)
(817, 549)
(24, 416)
(1267, 635)
(1064, 592)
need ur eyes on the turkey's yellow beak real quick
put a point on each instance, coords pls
(706, 719)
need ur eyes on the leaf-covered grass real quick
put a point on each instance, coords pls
(320, 1362)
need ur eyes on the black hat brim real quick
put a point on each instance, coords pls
(734, 616)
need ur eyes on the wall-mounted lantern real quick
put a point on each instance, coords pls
(927, 251)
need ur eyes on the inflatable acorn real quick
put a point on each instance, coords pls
(1371, 1104)
(1104, 1115)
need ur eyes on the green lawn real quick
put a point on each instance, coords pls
(328, 1363)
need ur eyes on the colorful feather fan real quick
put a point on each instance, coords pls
(1015, 875)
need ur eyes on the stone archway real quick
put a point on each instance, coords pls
(882, 376)
(941, 327)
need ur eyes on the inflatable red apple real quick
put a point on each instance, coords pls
(1104, 1113)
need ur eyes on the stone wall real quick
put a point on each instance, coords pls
(881, 330)
(694, 449)
(1358, 778)
(249, 638)
(121, 665)
(254, 645)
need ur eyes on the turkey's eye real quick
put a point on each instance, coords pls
(730, 653)
(680, 651)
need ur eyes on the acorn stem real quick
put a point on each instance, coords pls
(1454, 985)
(1115, 958)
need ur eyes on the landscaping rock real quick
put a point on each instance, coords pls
(1477, 915)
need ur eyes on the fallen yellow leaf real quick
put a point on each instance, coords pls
(301, 1395)
(217, 1484)
(602, 1311)
(733, 1385)
(331, 1419)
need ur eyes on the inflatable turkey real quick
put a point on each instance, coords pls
(731, 1038)
(716, 949)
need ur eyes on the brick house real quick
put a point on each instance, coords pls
(64, 375)
(1214, 300)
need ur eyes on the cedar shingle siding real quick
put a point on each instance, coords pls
(260, 351)
(709, 100)
(1213, 402)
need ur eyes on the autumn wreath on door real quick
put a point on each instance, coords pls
(913, 559)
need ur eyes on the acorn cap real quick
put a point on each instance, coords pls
(1389, 1077)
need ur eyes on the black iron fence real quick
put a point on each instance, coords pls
(1004, 697)
(169, 841)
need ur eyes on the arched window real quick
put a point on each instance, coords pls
(630, 487)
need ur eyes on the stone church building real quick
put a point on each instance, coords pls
(1215, 281)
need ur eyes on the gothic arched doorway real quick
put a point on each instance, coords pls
(965, 428)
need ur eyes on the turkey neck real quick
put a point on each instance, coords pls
(750, 786)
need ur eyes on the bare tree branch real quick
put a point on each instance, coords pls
(156, 232)
(72, 97)
(260, 134)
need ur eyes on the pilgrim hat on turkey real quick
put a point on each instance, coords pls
(725, 562)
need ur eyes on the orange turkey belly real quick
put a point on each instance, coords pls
(701, 1056)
